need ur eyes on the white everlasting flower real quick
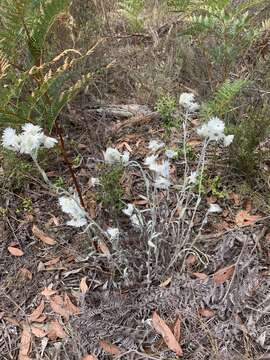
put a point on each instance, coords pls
(125, 157)
(129, 210)
(49, 142)
(187, 101)
(162, 183)
(215, 208)
(95, 181)
(150, 160)
(192, 179)
(213, 130)
(171, 154)
(113, 233)
(228, 140)
(135, 221)
(10, 140)
(155, 145)
(112, 156)
(71, 207)
(162, 169)
(31, 129)
(29, 141)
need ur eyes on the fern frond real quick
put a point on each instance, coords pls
(50, 11)
(4, 65)
(223, 98)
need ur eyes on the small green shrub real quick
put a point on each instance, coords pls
(110, 192)
(249, 134)
(166, 106)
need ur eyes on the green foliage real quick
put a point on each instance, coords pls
(249, 134)
(223, 31)
(110, 190)
(131, 10)
(166, 106)
(222, 99)
(217, 189)
(35, 85)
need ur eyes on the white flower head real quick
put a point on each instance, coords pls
(213, 130)
(71, 207)
(192, 179)
(171, 154)
(129, 210)
(228, 140)
(215, 208)
(10, 140)
(162, 169)
(125, 157)
(31, 129)
(135, 221)
(94, 181)
(187, 101)
(112, 156)
(49, 142)
(30, 143)
(162, 183)
(155, 145)
(150, 160)
(113, 233)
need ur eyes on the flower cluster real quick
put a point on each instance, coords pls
(187, 101)
(113, 156)
(214, 131)
(161, 170)
(71, 207)
(29, 141)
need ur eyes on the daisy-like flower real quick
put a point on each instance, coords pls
(187, 101)
(49, 142)
(213, 130)
(135, 221)
(10, 140)
(155, 145)
(215, 208)
(29, 141)
(71, 207)
(150, 160)
(113, 233)
(129, 210)
(112, 156)
(228, 140)
(171, 154)
(193, 177)
(162, 183)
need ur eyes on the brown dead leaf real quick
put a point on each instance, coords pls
(109, 348)
(58, 306)
(177, 329)
(37, 312)
(103, 248)
(166, 282)
(200, 276)
(194, 142)
(25, 343)
(56, 331)
(243, 217)
(15, 251)
(47, 292)
(89, 357)
(26, 273)
(224, 274)
(39, 234)
(191, 260)
(70, 307)
(39, 333)
(52, 261)
(163, 329)
(83, 285)
(12, 321)
(207, 313)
